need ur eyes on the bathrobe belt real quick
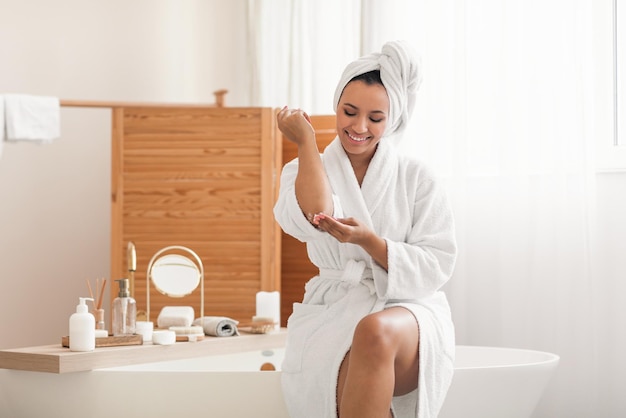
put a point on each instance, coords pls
(355, 271)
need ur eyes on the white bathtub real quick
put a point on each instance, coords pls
(492, 382)
(489, 382)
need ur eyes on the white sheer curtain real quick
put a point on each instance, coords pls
(298, 48)
(505, 115)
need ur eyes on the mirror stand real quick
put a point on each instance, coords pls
(175, 275)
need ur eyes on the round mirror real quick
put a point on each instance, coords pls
(175, 275)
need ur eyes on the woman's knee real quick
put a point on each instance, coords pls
(392, 329)
(375, 333)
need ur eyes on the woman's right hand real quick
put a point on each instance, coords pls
(295, 124)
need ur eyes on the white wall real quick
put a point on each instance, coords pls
(55, 199)
(610, 292)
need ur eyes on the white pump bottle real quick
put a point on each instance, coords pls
(82, 328)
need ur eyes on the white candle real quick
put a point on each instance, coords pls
(268, 306)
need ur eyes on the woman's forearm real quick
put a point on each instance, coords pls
(312, 187)
(376, 247)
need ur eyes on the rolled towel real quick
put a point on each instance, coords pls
(175, 316)
(32, 118)
(218, 326)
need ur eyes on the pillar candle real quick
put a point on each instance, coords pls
(268, 306)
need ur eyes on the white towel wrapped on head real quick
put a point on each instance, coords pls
(399, 72)
(32, 118)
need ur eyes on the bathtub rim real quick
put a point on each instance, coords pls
(534, 358)
(548, 357)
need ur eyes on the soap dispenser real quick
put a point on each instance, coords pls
(82, 328)
(124, 311)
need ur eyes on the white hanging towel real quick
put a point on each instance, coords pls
(2, 136)
(32, 118)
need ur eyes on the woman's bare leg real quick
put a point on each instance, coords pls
(383, 362)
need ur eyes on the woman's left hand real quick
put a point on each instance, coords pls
(350, 230)
(343, 229)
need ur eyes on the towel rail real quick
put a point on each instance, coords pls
(114, 105)
(219, 102)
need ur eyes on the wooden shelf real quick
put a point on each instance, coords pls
(57, 359)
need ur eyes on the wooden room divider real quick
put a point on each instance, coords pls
(205, 177)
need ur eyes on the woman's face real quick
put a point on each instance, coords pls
(362, 115)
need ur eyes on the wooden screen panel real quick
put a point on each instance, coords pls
(296, 269)
(203, 178)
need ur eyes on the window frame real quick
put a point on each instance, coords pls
(609, 45)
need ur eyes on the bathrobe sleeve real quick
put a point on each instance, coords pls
(421, 264)
(288, 213)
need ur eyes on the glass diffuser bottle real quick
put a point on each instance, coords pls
(124, 311)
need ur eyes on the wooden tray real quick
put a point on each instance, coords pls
(185, 338)
(110, 341)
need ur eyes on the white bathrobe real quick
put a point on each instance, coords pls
(401, 201)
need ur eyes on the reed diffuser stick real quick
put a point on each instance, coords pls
(104, 282)
(93, 300)
(97, 300)
(98, 312)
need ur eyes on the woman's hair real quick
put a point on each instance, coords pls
(369, 78)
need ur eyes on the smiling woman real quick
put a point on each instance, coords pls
(371, 297)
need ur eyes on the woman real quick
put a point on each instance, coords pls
(373, 336)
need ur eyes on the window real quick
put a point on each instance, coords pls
(610, 92)
(619, 69)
